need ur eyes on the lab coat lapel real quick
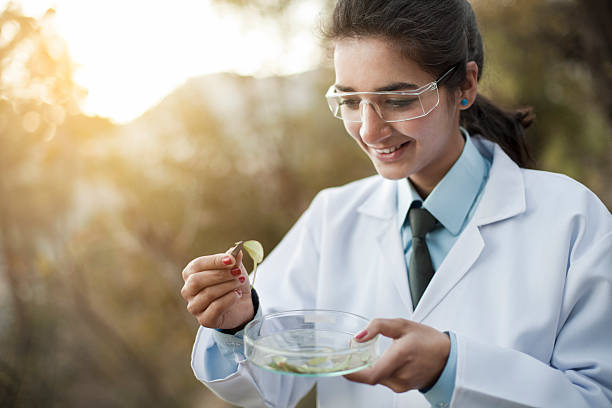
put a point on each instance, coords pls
(381, 207)
(392, 252)
(503, 197)
(457, 263)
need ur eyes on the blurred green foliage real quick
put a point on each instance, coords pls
(98, 220)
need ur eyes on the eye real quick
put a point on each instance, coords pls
(401, 103)
(352, 103)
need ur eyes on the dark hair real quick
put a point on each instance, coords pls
(437, 35)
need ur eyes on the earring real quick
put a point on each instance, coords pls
(464, 102)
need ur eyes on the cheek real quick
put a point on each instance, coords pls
(353, 129)
(423, 130)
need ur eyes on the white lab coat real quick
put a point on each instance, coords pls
(527, 288)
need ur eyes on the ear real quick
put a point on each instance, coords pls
(469, 88)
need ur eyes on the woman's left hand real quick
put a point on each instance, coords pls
(414, 360)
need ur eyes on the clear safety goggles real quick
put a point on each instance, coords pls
(391, 106)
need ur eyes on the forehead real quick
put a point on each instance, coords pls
(366, 64)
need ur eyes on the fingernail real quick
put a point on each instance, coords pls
(241, 279)
(227, 260)
(361, 334)
(238, 292)
(236, 271)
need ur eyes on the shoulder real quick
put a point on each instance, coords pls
(541, 203)
(540, 192)
(352, 194)
(565, 207)
(339, 206)
(334, 209)
(560, 191)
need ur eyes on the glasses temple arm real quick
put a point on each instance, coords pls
(446, 73)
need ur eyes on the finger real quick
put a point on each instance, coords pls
(198, 303)
(198, 281)
(391, 360)
(240, 273)
(213, 315)
(393, 328)
(208, 262)
(244, 278)
(239, 258)
(361, 376)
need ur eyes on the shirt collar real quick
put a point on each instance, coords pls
(460, 186)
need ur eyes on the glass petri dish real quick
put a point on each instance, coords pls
(312, 343)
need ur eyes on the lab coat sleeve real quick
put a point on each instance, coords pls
(286, 280)
(579, 373)
(226, 374)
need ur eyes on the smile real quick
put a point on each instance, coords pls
(388, 150)
(390, 154)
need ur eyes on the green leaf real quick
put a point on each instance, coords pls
(256, 252)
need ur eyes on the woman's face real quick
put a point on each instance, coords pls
(427, 147)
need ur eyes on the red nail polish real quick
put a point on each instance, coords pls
(238, 292)
(241, 279)
(361, 334)
(236, 271)
(227, 260)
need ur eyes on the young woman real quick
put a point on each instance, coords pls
(491, 284)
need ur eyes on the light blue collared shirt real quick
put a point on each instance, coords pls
(453, 202)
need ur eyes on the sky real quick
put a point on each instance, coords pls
(132, 53)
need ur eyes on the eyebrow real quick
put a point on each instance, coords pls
(396, 86)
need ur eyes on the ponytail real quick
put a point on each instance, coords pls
(505, 128)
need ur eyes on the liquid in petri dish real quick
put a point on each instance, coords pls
(311, 352)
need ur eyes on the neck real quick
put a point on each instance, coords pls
(425, 182)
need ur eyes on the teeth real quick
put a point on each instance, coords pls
(389, 150)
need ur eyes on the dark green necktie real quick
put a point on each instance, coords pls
(420, 269)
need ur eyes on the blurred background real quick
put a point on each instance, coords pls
(135, 136)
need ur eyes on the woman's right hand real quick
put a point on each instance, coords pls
(218, 291)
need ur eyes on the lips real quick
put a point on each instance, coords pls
(388, 150)
(389, 153)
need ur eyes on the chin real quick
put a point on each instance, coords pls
(391, 173)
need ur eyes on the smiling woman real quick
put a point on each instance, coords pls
(396, 142)
(130, 55)
(479, 276)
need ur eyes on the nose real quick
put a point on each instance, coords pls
(372, 128)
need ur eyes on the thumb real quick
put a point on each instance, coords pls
(239, 258)
(393, 328)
